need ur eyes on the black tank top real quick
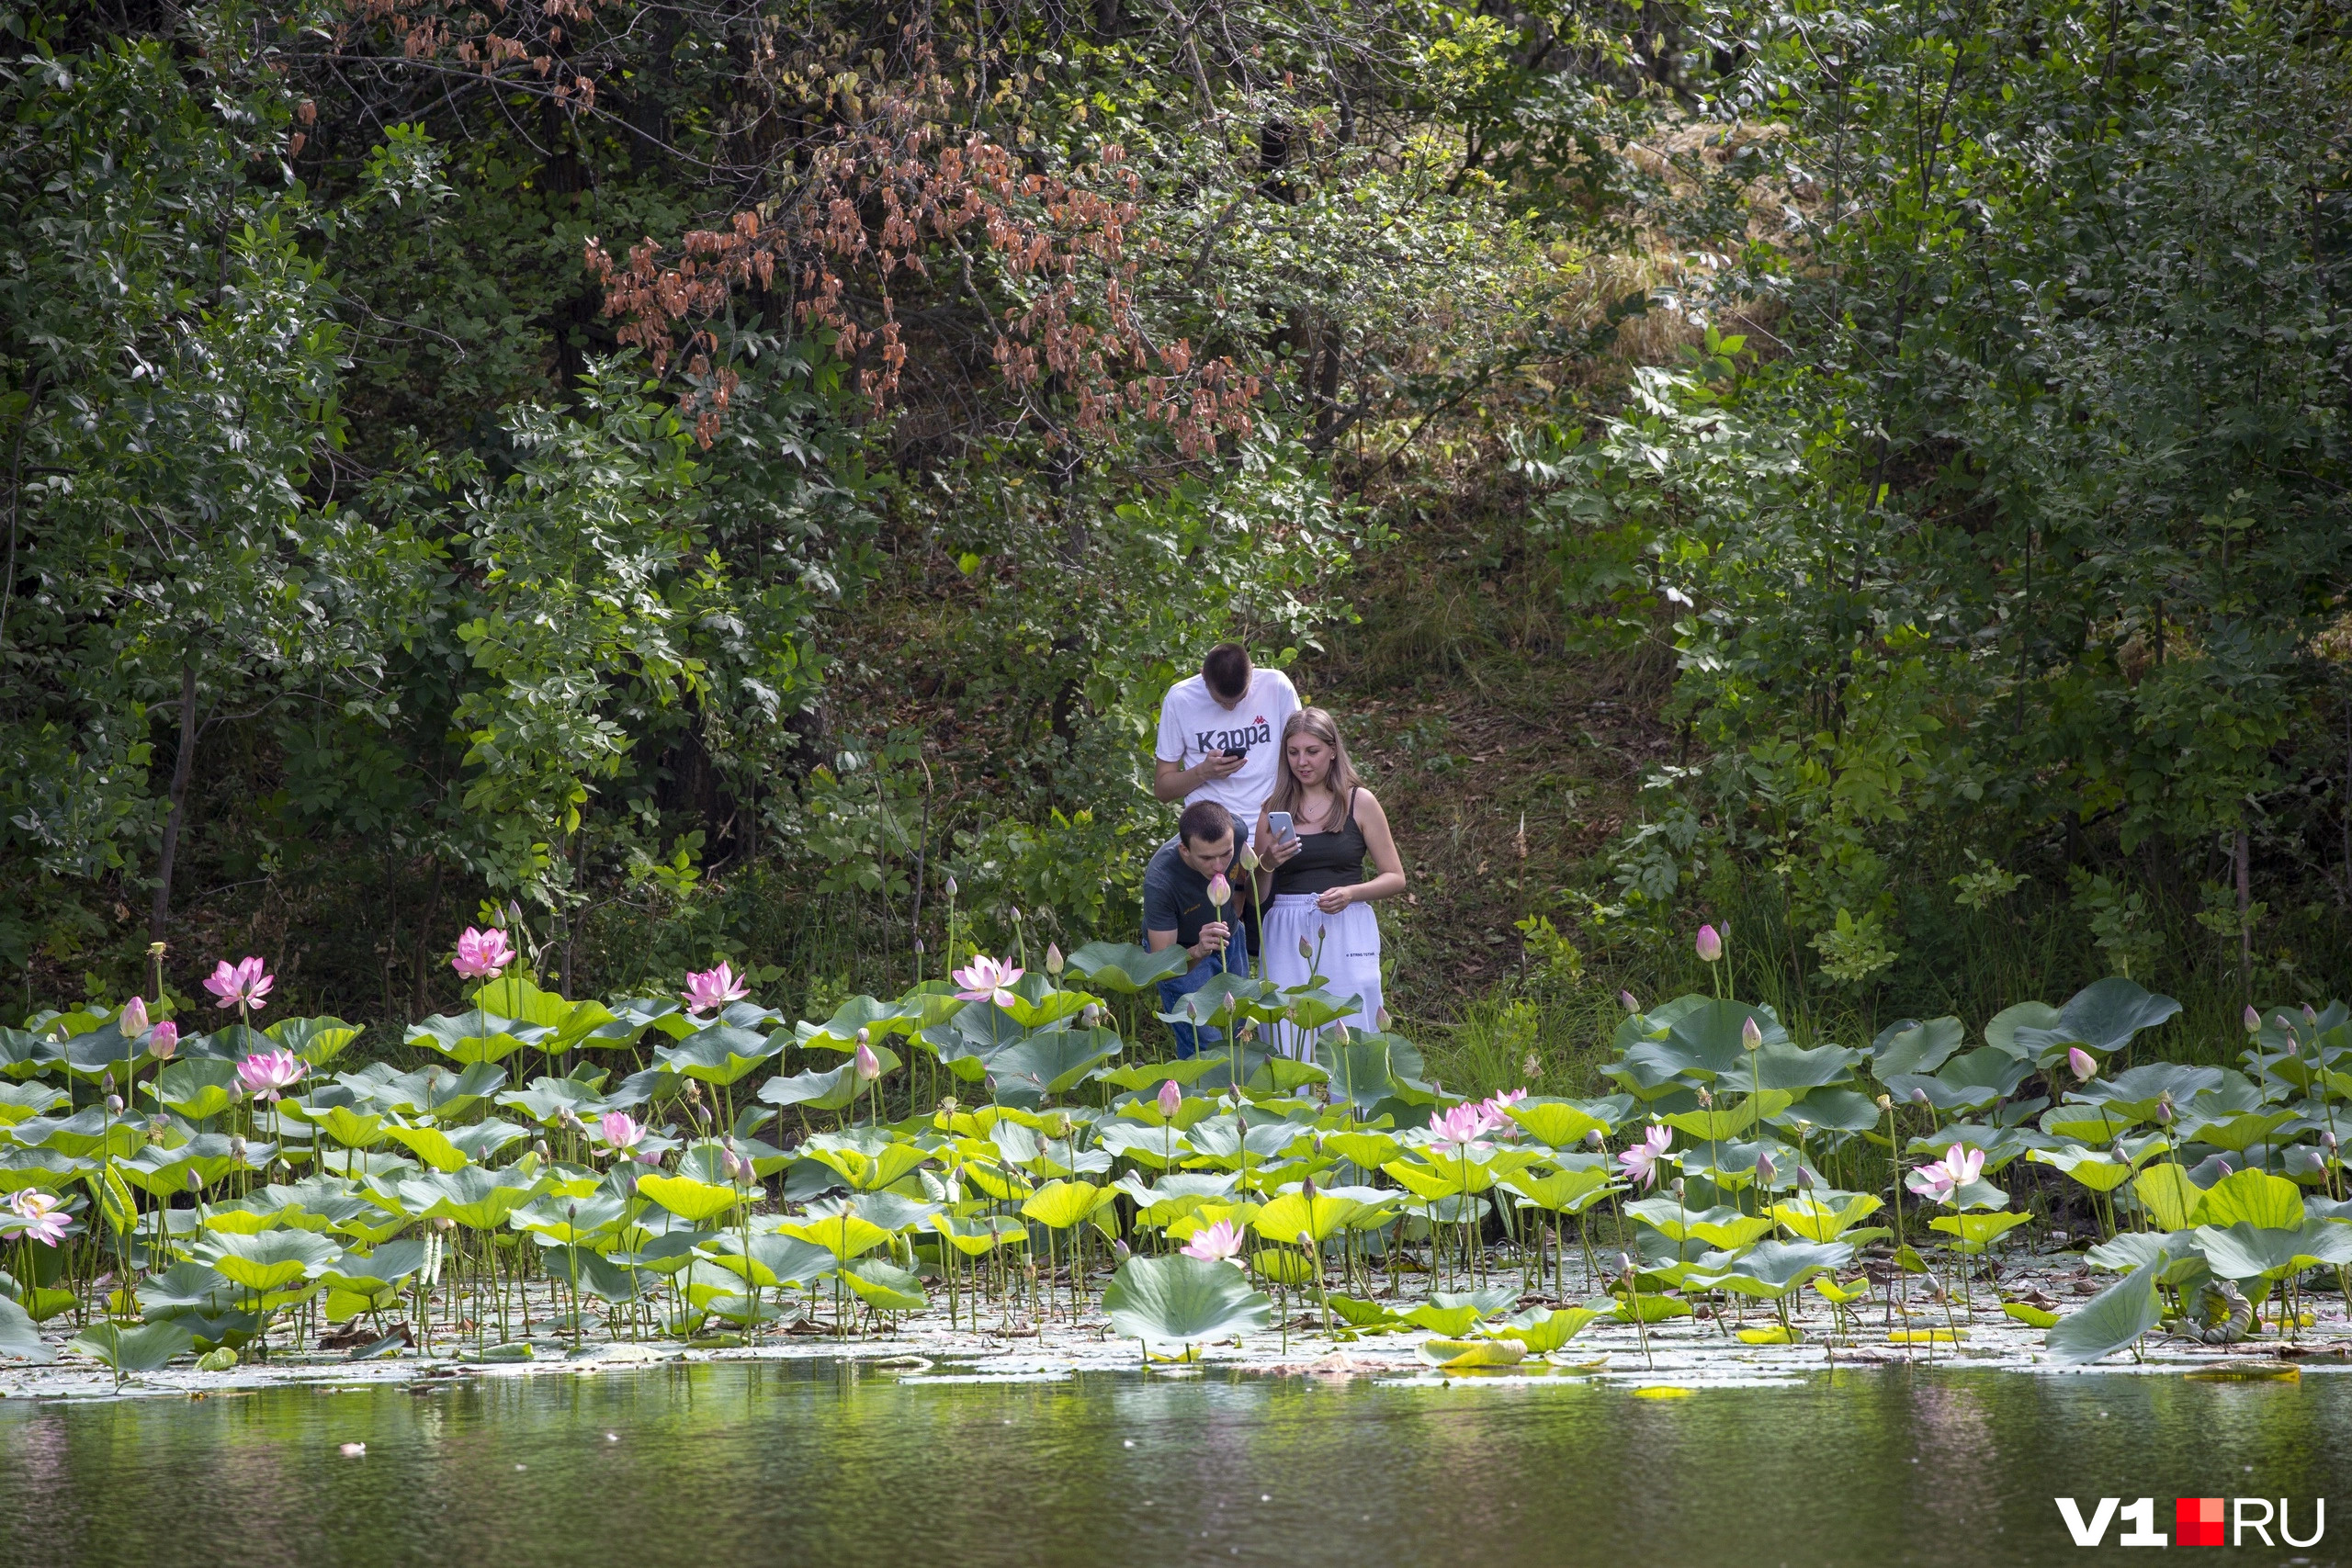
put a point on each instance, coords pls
(1325, 861)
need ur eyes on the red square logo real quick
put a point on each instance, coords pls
(2198, 1521)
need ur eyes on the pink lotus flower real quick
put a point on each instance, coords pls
(1764, 1171)
(2253, 1020)
(133, 1019)
(1462, 1127)
(1220, 890)
(620, 1130)
(869, 1066)
(163, 1040)
(986, 980)
(270, 1073)
(40, 1217)
(481, 954)
(1943, 1179)
(1710, 944)
(2078, 1061)
(1171, 1099)
(1215, 1244)
(1495, 1110)
(244, 984)
(1639, 1162)
(713, 988)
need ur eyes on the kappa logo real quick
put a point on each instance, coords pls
(2197, 1521)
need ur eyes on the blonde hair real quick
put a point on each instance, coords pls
(1342, 780)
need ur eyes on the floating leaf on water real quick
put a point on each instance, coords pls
(1778, 1334)
(145, 1349)
(2247, 1371)
(1462, 1355)
(1183, 1300)
(1662, 1390)
(2030, 1315)
(1926, 1335)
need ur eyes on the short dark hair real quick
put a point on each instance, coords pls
(1204, 819)
(1226, 670)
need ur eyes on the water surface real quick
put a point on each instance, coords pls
(723, 1465)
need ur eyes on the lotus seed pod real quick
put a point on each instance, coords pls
(237, 1149)
(1593, 1139)
(539, 1147)
(1090, 1016)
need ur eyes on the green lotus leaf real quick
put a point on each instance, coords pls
(1449, 1321)
(1465, 1354)
(1814, 1218)
(317, 1040)
(187, 1286)
(468, 1037)
(86, 1135)
(2085, 1124)
(2135, 1094)
(1832, 1109)
(1544, 1330)
(879, 1019)
(1183, 1300)
(1125, 969)
(2095, 1168)
(20, 1101)
(1976, 1232)
(2235, 1133)
(845, 1235)
(377, 1272)
(885, 1285)
(632, 1016)
(1144, 1077)
(431, 1090)
(269, 1261)
(2254, 1198)
(1654, 1308)
(164, 1171)
(722, 1054)
(41, 1302)
(1908, 1045)
(1222, 1142)
(547, 1098)
(1770, 1270)
(2114, 1318)
(591, 1271)
(1364, 1071)
(2028, 1313)
(147, 1348)
(823, 1092)
(1947, 1098)
(102, 1051)
(2244, 1251)
(1058, 1205)
(1283, 1266)
(2170, 1198)
(569, 1220)
(2001, 1033)
(864, 1170)
(1293, 1215)
(1560, 1191)
(2101, 1016)
(981, 1234)
(19, 1339)
(1714, 1126)
(1052, 1062)
(476, 1199)
(1363, 1314)
(692, 1200)
(1781, 1065)
(775, 1262)
(349, 1128)
(1561, 1124)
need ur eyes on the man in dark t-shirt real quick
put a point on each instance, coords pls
(1177, 910)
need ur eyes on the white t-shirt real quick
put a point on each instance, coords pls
(1192, 724)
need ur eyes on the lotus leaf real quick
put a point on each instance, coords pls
(845, 1235)
(1039, 1004)
(1561, 1191)
(349, 1128)
(90, 1134)
(823, 1092)
(19, 1341)
(983, 1234)
(1048, 1062)
(1183, 1300)
(1770, 1270)
(147, 1348)
(2030, 1315)
(2254, 1198)
(772, 1261)
(316, 1041)
(2102, 1017)
(2114, 1318)
(2244, 1251)
(867, 1170)
(591, 1271)
(1714, 1126)
(722, 1054)
(1543, 1330)
(476, 1199)
(879, 1019)
(269, 1261)
(2095, 1168)
(692, 1200)
(20, 1101)
(471, 1037)
(1058, 1205)
(547, 1098)
(1561, 1124)
(1814, 1218)
(1976, 1232)
(1144, 1077)
(1654, 1308)
(2001, 1033)
(884, 1286)
(2170, 1198)
(1464, 1355)
(1125, 969)
(1782, 1065)
(563, 1222)
(1908, 1045)
(2235, 1133)
(186, 1287)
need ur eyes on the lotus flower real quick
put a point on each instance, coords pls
(1709, 945)
(481, 954)
(713, 988)
(2078, 1062)
(869, 1066)
(1764, 1171)
(244, 984)
(163, 1040)
(40, 1216)
(1750, 1037)
(2253, 1020)
(1220, 890)
(1639, 1162)
(620, 1130)
(1216, 1243)
(133, 1019)
(1942, 1180)
(1496, 1112)
(1171, 1099)
(987, 980)
(1463, 1127)
(270, 1072)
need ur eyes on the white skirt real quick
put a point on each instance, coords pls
(1348, 944)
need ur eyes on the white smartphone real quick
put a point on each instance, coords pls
(1278, 824)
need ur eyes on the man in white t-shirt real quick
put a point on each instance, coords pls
(1220, 734)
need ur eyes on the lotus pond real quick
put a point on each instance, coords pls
(817, 1462)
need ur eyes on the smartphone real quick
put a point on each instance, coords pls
(1236, 753)
(1278, 824)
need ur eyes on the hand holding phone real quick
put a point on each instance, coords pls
(1278, 823)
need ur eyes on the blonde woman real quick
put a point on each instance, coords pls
(1313, 835)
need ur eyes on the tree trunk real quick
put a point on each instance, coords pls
(183, 769)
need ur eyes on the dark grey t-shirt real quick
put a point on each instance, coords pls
(1176, 897)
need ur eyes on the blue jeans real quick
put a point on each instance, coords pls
(1189, 1038)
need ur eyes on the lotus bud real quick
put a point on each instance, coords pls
(1171, 1099)
(2253, 1020)
(572, 1211)
(918, 947)
(1054, 962)
(1625, 999)
(1804, 1177)
(1306, 951)
(1307, 1188)
(1340, 1028)
(1249, 861)
(951, 888)
(1120, 1250)
(2163, 1107)
(539, 1147)
(1220, 891)
(1191, 1011)
(164, 1041)
(869, 1066)
(1318, 934)
(2078, 1061)
(1593, 1139)
(195, 1183)
(2224, 1165)
(1750, 1037)
(1090, 1016)
(108, 1081)
(133, 1021)
(114, 1105)
(2280, 1020)
(1919, 1097)
(159, 1124)
(1710, 944)
(236, 1149)
(1764, 1171)
(2329, 1139)
(2310, 1016)
(989, 1082)
(1016, 914)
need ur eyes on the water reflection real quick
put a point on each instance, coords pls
(708, 1464)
